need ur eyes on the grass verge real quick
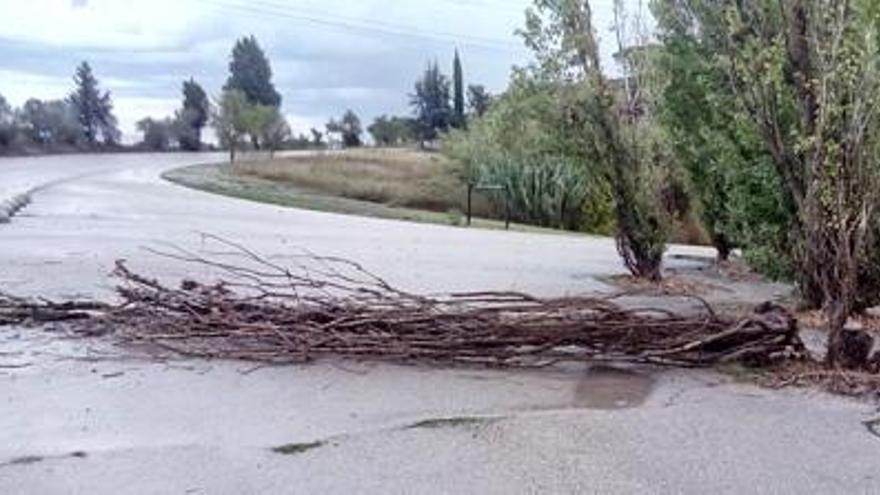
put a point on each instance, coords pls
(396, 189)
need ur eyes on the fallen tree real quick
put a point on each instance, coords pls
(318, 307)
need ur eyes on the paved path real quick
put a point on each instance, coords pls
(78, 417)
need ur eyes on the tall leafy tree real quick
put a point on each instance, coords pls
(193, 117)
(94, 108)
(391, 131)
(317, 138)
(478, 99)
(266, 126)
(250, 73)
(158, 134)
(615, 127)
(808, 73)
(230, 121)
(431, 104)
(458, 92)
(50, 123)
(7, 124)
(731, 175)
(349, 128)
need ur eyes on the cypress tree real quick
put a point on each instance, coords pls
(458, 92)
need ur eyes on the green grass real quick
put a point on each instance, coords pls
(341, 188)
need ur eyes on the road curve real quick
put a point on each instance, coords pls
(78, 417)
(90, 210)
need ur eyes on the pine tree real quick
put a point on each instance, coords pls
(94, 108)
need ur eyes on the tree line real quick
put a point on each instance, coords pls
(82, 121)
(246, 115)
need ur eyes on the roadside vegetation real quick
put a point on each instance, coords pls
(757, 117)
(397, 184)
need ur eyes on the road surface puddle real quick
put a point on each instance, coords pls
(608, 388)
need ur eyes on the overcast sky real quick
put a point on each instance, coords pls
(327, 55)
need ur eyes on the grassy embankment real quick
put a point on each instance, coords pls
(395, 184)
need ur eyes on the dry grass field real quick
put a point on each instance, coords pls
(398, 178)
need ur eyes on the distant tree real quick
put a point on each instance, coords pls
(158, 134)
(262, 124)
(459, 121)
(250, 73)
(332, 129)
(382, 132)
(229, 120)
(193, 117)
(273, 129)
(349, 129)
(7, 124)
(317, 138)
(299, 142)
(94, 108)
(393, 131)
(35, 121)
(478, 99)
(50, 123)
(430, 102)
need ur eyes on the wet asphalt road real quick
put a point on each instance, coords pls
(86, 417)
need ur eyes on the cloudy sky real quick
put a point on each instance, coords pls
(327, 55)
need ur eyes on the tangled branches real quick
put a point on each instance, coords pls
(315, 307)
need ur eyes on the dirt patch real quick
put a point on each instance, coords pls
(609, 388)
(734, 269)
(814, 374)
(818, 319)
(675, 285)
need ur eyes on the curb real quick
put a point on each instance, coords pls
(13, 205)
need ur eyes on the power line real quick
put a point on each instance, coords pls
(372, 25)
(271, 9)
(486, 4)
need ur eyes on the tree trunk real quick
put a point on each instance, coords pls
(850, 349)
(638, 258)
(723, 246)
(837, 318)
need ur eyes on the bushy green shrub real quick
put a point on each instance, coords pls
(526, 143)
(548, 191)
